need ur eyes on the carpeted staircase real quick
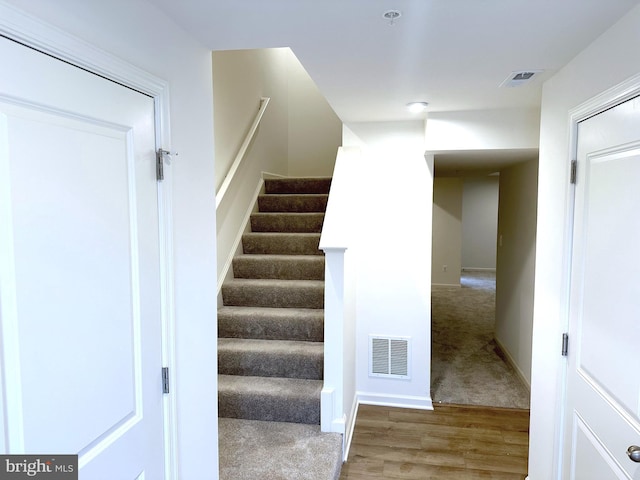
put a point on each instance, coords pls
(270, 345)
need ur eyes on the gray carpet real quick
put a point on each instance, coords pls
(257, 450)
(467, 366)
(270, 345)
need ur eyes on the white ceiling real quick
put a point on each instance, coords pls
(452, 53)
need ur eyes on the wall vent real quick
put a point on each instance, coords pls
(516, 79)
(389, 356)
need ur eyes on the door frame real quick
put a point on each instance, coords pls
(33, 33)
(610, 98)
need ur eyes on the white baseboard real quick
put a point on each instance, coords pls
(513, 364)
(477, 269)
(227, 271)
(351, 426)
(399, 401)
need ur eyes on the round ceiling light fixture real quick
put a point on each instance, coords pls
(392, 15)
(417, 107)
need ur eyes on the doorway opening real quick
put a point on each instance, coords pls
(482, 284)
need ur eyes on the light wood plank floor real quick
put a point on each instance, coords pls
(452, 442)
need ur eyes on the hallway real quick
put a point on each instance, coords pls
(467, 366)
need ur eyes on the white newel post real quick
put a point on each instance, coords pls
(332, 415)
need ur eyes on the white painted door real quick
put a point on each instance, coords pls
(79, 269)
(603, 390)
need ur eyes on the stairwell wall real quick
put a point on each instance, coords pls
(299, 134)
(240, 79)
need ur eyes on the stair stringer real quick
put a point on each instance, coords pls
(227, 272)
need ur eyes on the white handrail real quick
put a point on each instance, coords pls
(264, 101)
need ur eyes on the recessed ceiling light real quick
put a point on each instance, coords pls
(392, 15)
(417, 107)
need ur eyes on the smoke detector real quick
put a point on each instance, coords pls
(391, 16)
(517, 79)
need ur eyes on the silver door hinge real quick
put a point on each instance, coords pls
(574, 171)
(165, 379)
(565, 344)
(160, 159)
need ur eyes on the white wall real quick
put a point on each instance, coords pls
(483, 130)
(447, 231)
(138, 33)
(479, 222)
(393, 255)
(515, 264)
(240, 79)
(611, 59)
(315, 131)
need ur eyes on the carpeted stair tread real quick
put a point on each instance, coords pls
(304, 324)
(269, 398)
(253, 450)
(298, 185)
(281, 243)
(287, 222)
(273, 293)
(270, 358)
(293, 203)
(283, 267)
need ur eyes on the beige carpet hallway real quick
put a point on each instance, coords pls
(467, 366)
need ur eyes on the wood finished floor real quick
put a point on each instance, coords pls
(452, 442)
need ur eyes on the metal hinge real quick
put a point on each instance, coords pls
(165, 379)
(160, 159)
(565, 344)
(574, 171)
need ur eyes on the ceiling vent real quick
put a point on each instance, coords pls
(517, 79)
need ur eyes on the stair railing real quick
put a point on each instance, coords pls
(264, 101)
(338, 392)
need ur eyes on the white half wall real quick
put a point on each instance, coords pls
(138, 33)
(392, 252)
(608, 61)
(479, 222)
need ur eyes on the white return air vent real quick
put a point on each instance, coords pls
(516, 79)
(389, 356)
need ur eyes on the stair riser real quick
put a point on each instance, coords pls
(265, 364)
(267, 408)
(287, 222)
(273, 296)
(292, 203)
(269, 244)
(283, 269)
(297, 185)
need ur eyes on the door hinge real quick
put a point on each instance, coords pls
(160, 159)
(574, 171)
(165, 379)
(565, 344)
